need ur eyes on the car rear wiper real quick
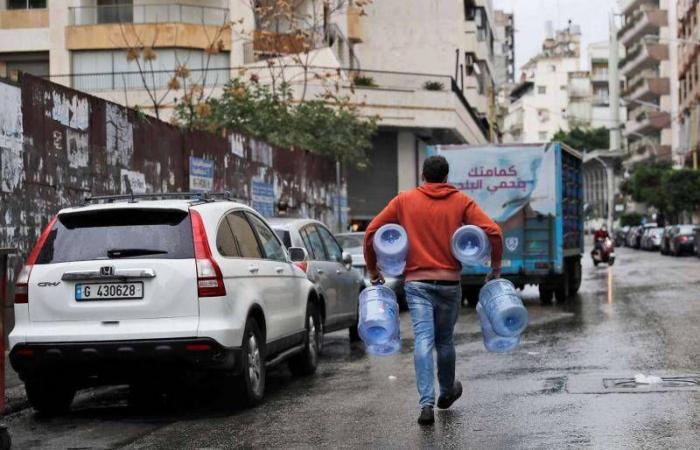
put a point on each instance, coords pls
(127, 252)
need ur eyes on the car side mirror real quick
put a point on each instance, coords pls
(298, 254)
(347, 259)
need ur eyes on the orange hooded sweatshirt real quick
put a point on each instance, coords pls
(431, 214)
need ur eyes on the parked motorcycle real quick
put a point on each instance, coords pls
(603, 252)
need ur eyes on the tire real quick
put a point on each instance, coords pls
(251, 381)
(546, 295)
(576, 276)
(49, 396)
(471, 295)
(306, 362)
(5, 439)
(562, 292)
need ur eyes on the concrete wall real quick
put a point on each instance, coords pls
(58, 145)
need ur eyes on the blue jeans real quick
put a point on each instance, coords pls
(434, 311)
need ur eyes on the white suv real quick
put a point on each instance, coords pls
(118, 291)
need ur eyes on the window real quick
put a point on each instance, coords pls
(335, 253)
(541, 89)
(271, 245)
(115, 11)
(225, 241)
(552, 68)
(315, 245)
(284, 237)
(26, 4)
(562, 87)
(543, 115)
(542, 136)
(245, 237)
(119, 233)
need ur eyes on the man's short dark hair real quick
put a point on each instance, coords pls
(436, 169)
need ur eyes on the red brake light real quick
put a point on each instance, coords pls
(210, 281)
(683, 238)
(303, 265)
(22, 282)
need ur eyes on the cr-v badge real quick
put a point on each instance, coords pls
(48, 283)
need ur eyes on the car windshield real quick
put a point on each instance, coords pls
(349, 241)
(119, 233)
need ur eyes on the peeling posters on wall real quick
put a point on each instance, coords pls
(133, 182)
(120, 135)
(11, 138)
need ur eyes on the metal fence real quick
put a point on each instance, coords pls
(147, 13)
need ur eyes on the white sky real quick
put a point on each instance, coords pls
(531, 15)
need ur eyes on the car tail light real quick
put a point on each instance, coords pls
(683, 238)
(22, 282)
(198, 347)
(210, 281)
(303, 265)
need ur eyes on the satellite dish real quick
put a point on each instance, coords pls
(572, 46)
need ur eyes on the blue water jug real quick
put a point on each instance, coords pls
(471, 246)
(378, 324)
(391, 247)
(503, 307)
(492, 341)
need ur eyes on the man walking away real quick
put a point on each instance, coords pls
(431, 214)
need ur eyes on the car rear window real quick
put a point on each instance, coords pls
(119, 233)
(687, 229)
(284, 237)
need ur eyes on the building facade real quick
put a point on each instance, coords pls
(648, 35)
(688, 14)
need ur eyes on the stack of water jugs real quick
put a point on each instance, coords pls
(501, 313)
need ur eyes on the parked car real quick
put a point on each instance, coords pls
(651, 238)
(620, 236)
(665, 247)
(136, 292)
(682, 240)
(329, 268)
(634, 236)
(353, 243)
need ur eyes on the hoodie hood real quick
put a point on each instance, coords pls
(437, 190)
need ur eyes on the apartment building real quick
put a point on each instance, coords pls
(504, 51)
(551, 91)
(598, 63)
(427, 66)
(649, 40)
(688, 14)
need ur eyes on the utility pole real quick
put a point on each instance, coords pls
(614, 88)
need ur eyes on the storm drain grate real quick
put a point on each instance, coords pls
(666, 383)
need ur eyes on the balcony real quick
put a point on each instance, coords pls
(159, 25)
(646, 56)
(649, 88)
(12, 19)
(600, 77)
(647, 122)
(644, 23)
(630, 5)
(355, 31)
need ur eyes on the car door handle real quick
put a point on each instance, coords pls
(253, 269)
(338, 271)
(279, 269)
(319, 271)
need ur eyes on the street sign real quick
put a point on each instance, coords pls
(201, 175)
(263, 197)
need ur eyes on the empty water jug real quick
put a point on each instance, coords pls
(492, 341)
(391, 247)
(503, 307)
(378, 325)
(471, 246)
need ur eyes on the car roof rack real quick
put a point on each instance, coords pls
(195, 197)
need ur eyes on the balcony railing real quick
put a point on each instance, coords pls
(147, 13)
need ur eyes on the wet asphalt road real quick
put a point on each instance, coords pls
(550, 393)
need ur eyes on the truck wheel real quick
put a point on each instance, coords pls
(562, 292)
(546, 295)
(49, 396)
(305, 362)
(575, 276)
(471, 295)
(252, 380)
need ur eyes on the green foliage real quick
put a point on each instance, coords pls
(365, 81)
(329, 126)
(433, 86)
(630, 219)
(585, 140)
(671, 191)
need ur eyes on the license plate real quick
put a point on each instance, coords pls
(108, 291)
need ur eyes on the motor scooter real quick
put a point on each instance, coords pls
(603, 252)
